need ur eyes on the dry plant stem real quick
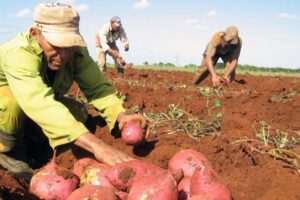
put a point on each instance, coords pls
(287, 156)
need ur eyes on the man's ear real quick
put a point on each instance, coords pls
(34, 32)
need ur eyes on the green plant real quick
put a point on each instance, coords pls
(275, 143)
(263, 133)
(136, 108)
(282, 140)
(177, 120)
(208, 93)
(284, 96)
(123, 97)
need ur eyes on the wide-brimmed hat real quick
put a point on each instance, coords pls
(59, 24)
(232, 35)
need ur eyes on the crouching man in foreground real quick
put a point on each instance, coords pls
(36, 69)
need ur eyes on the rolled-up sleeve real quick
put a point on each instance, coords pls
(103, 35)
(210, 50)
(211, 47)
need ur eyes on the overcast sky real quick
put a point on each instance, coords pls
(177, 31)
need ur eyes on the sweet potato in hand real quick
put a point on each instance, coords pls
(132, 133)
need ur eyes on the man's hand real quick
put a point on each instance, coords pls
(102, 151)
(126, 47)
(110, 156)
(114, 53)
(226, 78)
(216, 80)
(124, 118)
(121, 62)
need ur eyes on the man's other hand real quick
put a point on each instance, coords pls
(102, 151)
(122, 62)
(124, 118)
(216, 80)
(114, 53)
(110, 156)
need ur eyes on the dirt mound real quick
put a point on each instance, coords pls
(243, 105)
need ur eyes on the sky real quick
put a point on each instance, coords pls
(177, 31)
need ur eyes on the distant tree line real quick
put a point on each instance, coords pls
(159, 64)
(221, 66)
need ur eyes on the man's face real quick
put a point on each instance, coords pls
(114, 26)
(56, 57)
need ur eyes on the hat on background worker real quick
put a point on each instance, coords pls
(116, 20)
(232, 35)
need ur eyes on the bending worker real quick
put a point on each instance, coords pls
(36, 69)
(225, 45)
(106, 44)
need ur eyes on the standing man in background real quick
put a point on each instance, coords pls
(226, 45)
(106, 43)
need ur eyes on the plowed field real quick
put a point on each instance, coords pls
(235, 151)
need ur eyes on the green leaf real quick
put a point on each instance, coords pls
(135, 109)
(217, 103)
(205, 91)
(218, 115)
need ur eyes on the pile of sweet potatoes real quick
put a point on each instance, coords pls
(189, 176)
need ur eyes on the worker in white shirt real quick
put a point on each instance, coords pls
(106, 43)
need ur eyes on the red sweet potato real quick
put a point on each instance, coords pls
(80, 165)
(93, 192)
(205, 181)
(155, 187)
(96, 175)
(186, 160)
(201, 197)
(132, 133)
(53, 182)
(184, 189)
(124, 174)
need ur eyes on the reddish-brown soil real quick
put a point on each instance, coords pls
(245, 102)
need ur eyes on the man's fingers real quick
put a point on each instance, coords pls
(133, 117)
(143, 121)
(148, 133)
(225, 79)
(140, 118)
(121, 124)
(216, 84)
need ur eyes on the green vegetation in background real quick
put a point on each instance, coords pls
(241, 69)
